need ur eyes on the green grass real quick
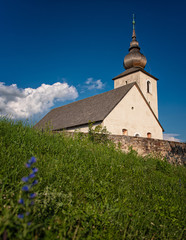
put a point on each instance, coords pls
(88, 190)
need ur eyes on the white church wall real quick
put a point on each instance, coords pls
(83, 128)
(142, 79)
(134, 77)
(133, 114)
(152, 95)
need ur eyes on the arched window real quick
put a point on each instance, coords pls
(125, 132)
(136, 135)
(148, 86)
(149, 135)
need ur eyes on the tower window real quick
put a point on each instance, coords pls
(149, 135)
(125, 132)
(148, 86)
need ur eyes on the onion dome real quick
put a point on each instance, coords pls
(134, 58)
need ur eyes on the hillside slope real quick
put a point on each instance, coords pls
(86, 190)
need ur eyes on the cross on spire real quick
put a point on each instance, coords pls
(133, 22)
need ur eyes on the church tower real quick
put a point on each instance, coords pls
(134, 63)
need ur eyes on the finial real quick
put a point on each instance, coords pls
(134, 58)
(133, 22)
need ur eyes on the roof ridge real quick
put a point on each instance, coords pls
(133, 83)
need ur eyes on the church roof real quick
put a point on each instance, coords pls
(93, 109)
(133, 70)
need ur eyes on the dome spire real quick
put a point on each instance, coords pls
(134, 58)
(134, 33)
(133, 22)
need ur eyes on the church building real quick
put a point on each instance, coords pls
(131, 108)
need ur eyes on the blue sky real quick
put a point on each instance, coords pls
(58, 51)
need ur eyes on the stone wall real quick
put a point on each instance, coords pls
(174, 152)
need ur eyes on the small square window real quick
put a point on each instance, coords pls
(149, 135)
(125, 132)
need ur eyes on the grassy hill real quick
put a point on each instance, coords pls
(85, 190)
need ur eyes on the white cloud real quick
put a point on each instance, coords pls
(23, 103)
(171, 137)
(94, 84)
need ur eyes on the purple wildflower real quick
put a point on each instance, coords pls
(21, 201)
(25, 179)
(32, 160)
(34, 170)
(32, 175)
(29, 183)
(25, 188)
(35, 182)
(28, 165)
(32, 195)
(21, 216)
(180, 182)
